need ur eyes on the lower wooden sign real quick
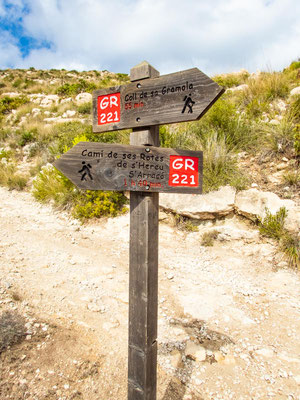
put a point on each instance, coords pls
(102, 166)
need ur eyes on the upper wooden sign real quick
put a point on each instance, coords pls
(102, 166)
(182, 96)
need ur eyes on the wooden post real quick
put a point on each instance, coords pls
(143, 272)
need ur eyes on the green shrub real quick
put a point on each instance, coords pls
(220, 166)
(10, 178)
(177, 138)
(230, 80)
(124, 78)
(185, 224)
(17, 182)
(71, 89)
(294, 110)
(256, 107)
(290, 245)
(50, 184)
(279, 138)
(105, 82)
(273, 225)
(11, 103)
(5, 154)
(225, 119)
(268, 86)
(26, 137)
(85, 108)
(292, 178)
(4, 133)
(63, 135)
(294, 65)
(292, 72)
(17, 83)
(96, 204)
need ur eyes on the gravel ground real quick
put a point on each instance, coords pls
(228, 314)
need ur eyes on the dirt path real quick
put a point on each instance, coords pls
(228, 320)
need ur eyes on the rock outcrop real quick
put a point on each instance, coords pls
(251, 204)
(209, 206)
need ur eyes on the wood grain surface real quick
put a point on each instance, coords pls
(178, 97)
(102, 166)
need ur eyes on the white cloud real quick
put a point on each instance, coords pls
(216, 36)
(10, 55)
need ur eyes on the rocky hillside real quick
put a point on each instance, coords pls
(250, 138)
(228, 297)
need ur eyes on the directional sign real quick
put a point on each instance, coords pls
(182, 96)
(99, 166)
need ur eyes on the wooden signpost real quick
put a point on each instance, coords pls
(182, 96)
(145, 170)
(100, 166)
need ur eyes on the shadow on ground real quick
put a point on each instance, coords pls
(207, 338)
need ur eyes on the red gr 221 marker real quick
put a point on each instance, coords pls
(184, 171)
(109, 108)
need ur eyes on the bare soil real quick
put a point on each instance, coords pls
(228, 314)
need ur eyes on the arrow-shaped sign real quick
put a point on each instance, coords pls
(182, 96)
(103, 166)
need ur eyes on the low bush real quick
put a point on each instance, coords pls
(51, 185)
(10, 178)
(292, 71)
(220, 166)
(85, 108)
(11, 103)
(96, 204)
(290, 245)
(255, 108)
(124, 78)
(268, 86)
(208, 238)
(26, 136)
(4, 133)
(184, 223)
(217, 137)
(272, 226)
(230, 80)
(225, 119)
(63, 135)
(178, 138)
(71, 89)
(7, 154)
(292, 178)
(279, 138)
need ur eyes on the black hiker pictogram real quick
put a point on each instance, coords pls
(188, 102)
(85, 170)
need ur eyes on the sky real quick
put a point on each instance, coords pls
(217, 36)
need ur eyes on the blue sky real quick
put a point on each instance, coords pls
(215, 36)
